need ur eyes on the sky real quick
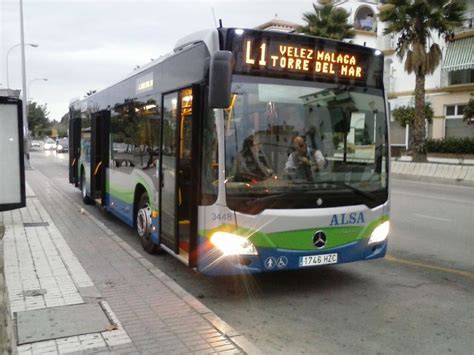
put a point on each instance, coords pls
(89, 45)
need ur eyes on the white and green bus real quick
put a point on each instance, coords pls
(243, 151)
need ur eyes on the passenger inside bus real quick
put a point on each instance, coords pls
(304, 162)
(252, 162)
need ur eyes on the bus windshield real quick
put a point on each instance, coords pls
(299, 144)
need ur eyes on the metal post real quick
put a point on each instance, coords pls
(407, 128)
(23, 69)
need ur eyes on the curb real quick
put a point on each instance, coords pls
(454, 174)
(224, 328)
(7, 335)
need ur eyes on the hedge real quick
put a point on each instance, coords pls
(451, 145)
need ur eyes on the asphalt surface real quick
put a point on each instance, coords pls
(419, 299)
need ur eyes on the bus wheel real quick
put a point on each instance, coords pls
(85, 198)
(144, 224)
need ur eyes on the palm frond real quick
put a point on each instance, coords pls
(433, 58)
(327, 21)
(414, 21)
(409, 64)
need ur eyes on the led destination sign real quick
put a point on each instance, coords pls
(290, 56)
(296, 58)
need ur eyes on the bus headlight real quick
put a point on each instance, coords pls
(380, 233)
(232, 244)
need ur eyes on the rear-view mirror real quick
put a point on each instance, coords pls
(220, 80)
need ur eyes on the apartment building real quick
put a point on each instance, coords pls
(448, 89)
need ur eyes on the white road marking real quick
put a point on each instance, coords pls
(432, 217)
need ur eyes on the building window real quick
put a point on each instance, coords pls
(365, 19)
(456, 127)
(455, 111)
(461, 77)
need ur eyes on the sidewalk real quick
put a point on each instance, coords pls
(63, 264)
(6, 328)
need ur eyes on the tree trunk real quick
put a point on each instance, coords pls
(418, 145)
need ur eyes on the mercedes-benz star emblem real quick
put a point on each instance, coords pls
(319, 239)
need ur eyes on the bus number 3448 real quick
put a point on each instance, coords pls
(227, 217)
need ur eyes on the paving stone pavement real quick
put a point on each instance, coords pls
(57, 254)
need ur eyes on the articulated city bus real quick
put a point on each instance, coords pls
(243, 151)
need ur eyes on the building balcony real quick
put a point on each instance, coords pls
(362, 32)
(466, 87)
(365, 21)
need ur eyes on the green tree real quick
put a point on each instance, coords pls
(64, 124)
(405, 115)
(61, 126)
(327, 21)
(469, 111)
(416, 21)
(38, 122)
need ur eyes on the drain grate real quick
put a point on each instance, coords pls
(36, 224)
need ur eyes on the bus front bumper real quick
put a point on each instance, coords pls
(213, 263)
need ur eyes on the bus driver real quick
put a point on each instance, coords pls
(304, 160)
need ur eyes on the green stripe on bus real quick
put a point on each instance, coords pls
(125, 196)
(303, 239)
(128, 196)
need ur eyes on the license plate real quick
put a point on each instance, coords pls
(312, 260)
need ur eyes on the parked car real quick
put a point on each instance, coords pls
(62, 146)
(35, 144)
(49, 144)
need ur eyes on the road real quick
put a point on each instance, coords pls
(419, 299)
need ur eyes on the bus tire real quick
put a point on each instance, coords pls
(85, 198)
(143, 224)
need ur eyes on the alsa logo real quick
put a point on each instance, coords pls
(347, 218)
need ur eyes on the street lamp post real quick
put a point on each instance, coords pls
(25, 95)
(34, 45)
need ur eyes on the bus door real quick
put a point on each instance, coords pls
(99, 154)
(179, 173)
(74, 147)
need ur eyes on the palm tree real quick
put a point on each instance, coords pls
(416, 21)
(327, 21)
